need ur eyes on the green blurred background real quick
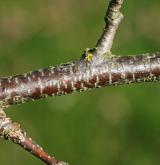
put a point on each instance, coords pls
(109, 126)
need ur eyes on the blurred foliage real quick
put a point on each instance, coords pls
(114, 125)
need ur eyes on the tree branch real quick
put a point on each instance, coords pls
(79, 75)
(11, 131)
(96, 68)
(112, 19)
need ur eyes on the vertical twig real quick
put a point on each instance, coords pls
(112, 19)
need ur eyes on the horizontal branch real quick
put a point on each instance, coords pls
(79, 75)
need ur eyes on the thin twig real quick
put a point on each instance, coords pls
(11, 131)
(113, 18)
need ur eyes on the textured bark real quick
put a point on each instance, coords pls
(79, 75)
(97, 67)
(112, 19)
(12, 131)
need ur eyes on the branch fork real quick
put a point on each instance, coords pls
(98, 67)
